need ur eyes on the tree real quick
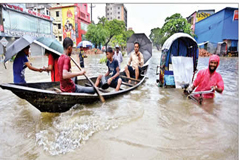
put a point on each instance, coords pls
(96, 34)
(173, 24)
(114, 27)
(102, 21)
(156, 37)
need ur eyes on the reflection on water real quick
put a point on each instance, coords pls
(147, 123)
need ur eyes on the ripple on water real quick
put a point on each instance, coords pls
(72, 129)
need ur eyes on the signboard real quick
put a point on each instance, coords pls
(68, 21)
(203, 14)
(235, 15)
(17, 8)
(4, 41)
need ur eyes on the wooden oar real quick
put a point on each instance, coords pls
(133, 79)
(100, 96)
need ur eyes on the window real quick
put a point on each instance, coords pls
(118, 7)
(107, 13)
(87, 17)
(60, 38)
(57, 13)
(118, 17)
(59, 26)
(85, 7)
(118, 12)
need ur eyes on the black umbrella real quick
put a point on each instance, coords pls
(17, 46)
(145, 45)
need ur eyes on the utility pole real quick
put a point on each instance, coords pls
(91, 11)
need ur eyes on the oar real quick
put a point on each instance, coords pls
(100, 96)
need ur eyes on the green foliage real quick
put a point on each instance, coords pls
(96, 34)
(173, 24)
(114, 28)
(103, 60)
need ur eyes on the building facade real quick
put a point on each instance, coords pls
(70, 20)
(17, 21)
(116, 11)
(198, 16)
(219, 28)
(42, 8)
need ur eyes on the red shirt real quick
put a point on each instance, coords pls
(54, 73)
(66, 85)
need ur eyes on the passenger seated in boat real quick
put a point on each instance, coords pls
(136, 58)
(112, 75)
(64, 68)
(52, 65)
(19, 65)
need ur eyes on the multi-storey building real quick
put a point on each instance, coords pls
(70, 20)
(42, 8)
(116, 11)
(16, 21)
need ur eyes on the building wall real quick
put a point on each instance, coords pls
(210, 29)
(116, 11)
(57, 24)
(230, 26)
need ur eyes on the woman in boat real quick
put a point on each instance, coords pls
(112, 75)
(52, 66)
(19, 65)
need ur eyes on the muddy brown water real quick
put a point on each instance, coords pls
(147, 123)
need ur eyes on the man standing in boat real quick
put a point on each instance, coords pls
(208, 79)
(64, 68)
(136, 58)
(118, 56)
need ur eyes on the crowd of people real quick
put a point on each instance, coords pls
(60, 68)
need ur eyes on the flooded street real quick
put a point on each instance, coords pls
(145, 124)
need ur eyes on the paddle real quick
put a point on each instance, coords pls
(100, 96)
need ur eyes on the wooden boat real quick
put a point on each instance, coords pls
(46, 99)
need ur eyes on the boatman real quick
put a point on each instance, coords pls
(136, 58)
(208, 79)
(64, 68)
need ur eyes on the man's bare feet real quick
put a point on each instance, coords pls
(129, 81)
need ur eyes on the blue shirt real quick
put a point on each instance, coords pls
(19, 68)
(112, 66)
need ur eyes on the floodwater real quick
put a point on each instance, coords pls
(147, 123)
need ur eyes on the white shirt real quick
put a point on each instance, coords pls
(135, 60)
(118, 57)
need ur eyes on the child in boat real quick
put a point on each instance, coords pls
(64, 68)
(19, 65)
(81, 57)
(52, 65)
(112, 75)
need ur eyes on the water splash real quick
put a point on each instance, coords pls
(72, 129)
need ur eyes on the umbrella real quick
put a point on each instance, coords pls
(17, 46)
(145, 45)
(50, 44)
(84, 44)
